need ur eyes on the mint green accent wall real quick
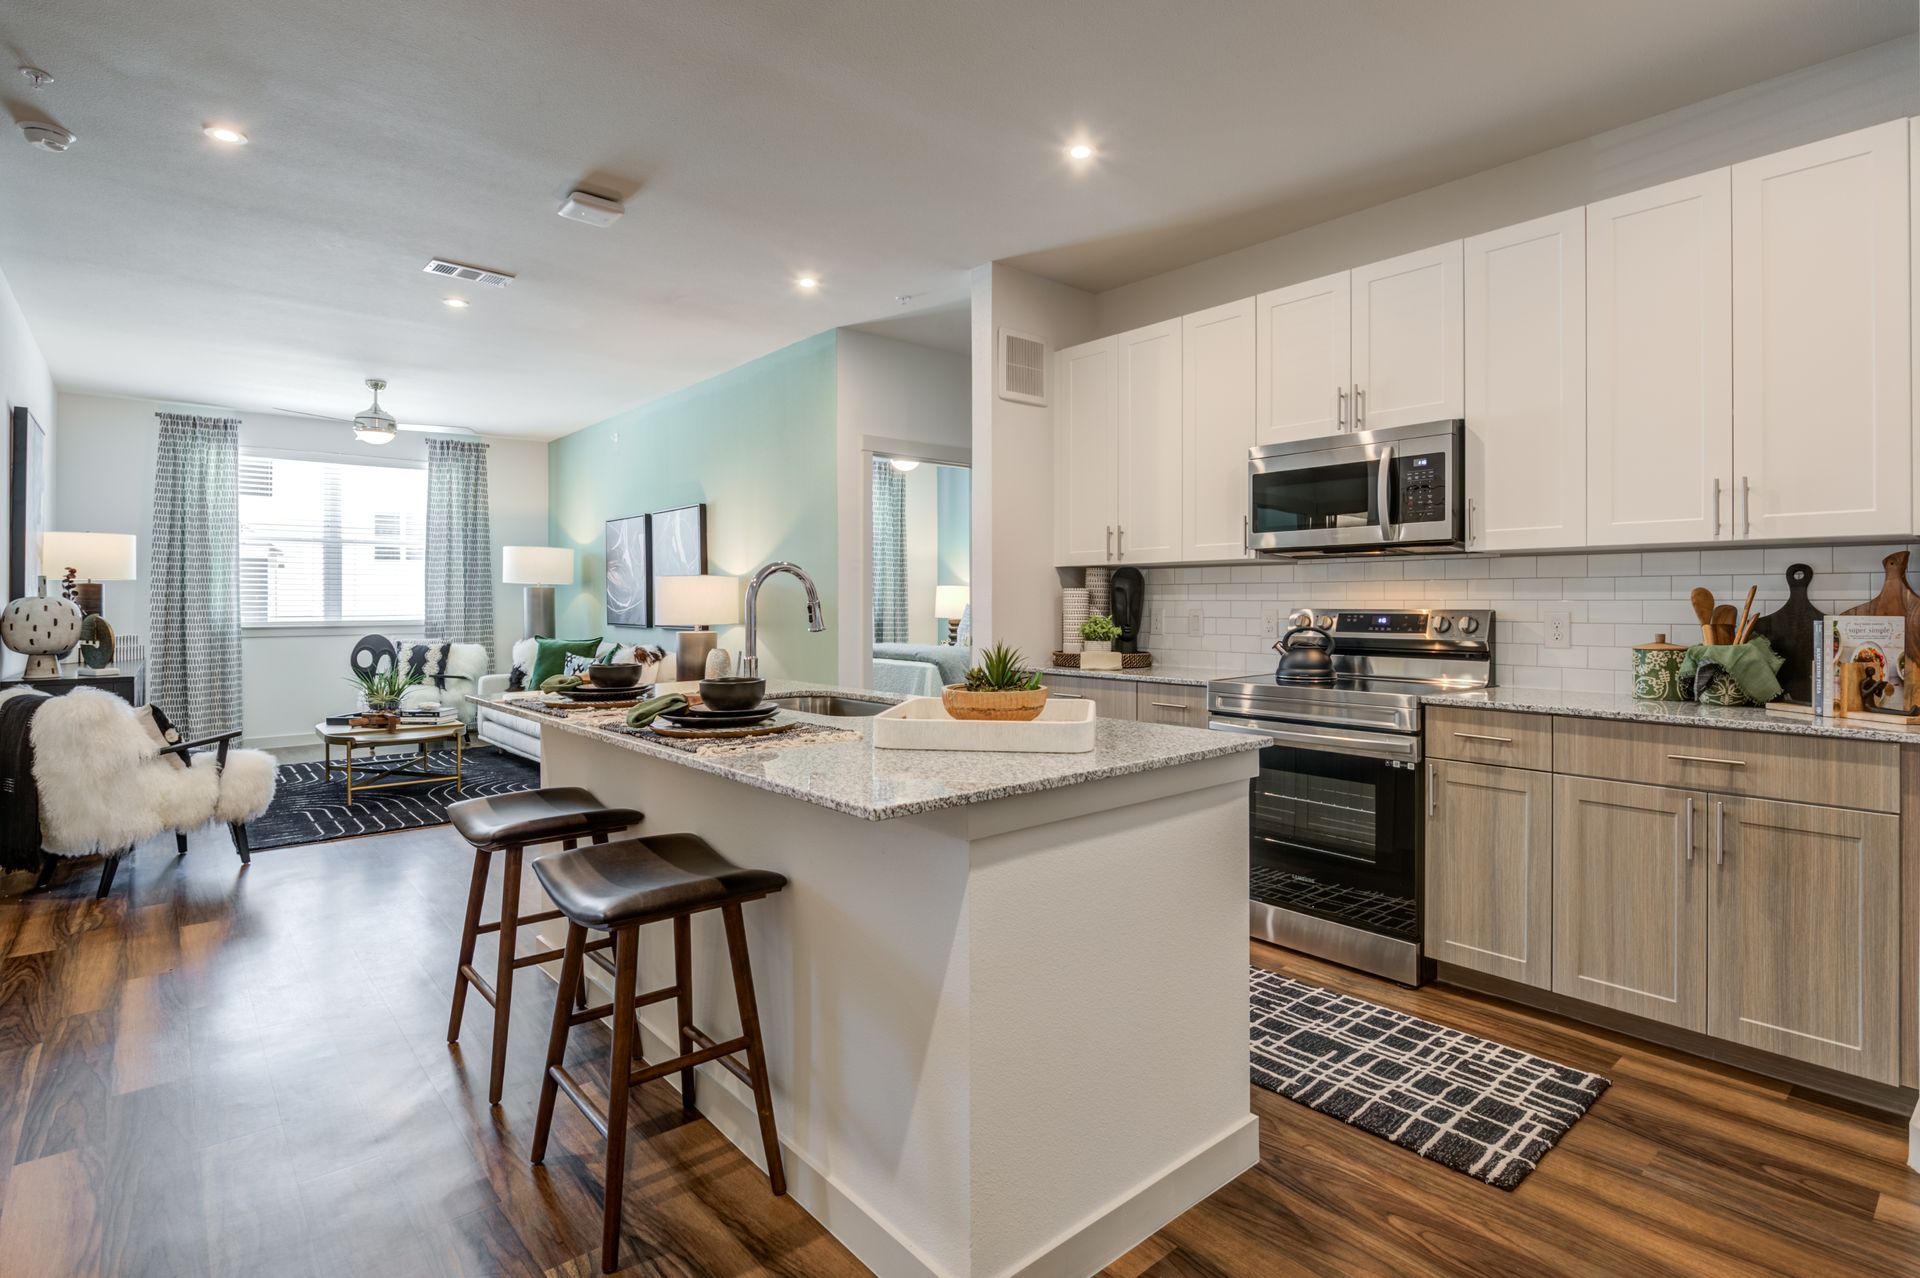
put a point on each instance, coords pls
(756, 443)
(955, 497)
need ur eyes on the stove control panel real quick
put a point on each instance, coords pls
(1465, 626)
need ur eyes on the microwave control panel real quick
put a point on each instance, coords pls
(1422, 483)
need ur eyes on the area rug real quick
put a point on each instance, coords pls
(1466, 1103)
(310, 808)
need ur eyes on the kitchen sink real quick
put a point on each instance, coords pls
(835, 707)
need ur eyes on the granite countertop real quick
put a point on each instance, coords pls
(1615, 705)
(877, 785)
(1189, 676)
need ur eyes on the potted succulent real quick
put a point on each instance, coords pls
(382, 689)
(998, 687)
(1099, 633)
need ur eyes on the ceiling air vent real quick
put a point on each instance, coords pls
(1023, 368)
(471, 274)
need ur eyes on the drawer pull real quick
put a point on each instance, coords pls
(1068, 696)
(1484, 736)
(1171, 705)
(1707, 758)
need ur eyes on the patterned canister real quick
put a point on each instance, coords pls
(1656, 670)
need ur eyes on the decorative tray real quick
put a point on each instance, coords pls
(922, 723)
(1128, 660)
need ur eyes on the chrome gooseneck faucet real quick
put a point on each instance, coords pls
(816, 616)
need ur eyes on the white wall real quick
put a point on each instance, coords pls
(104, 483)
(1014, 582)
(923, 550)
(25, 383)
(895, 392)
(1869, 87)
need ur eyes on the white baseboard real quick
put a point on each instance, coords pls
(294, 741)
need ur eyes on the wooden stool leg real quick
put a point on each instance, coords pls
(469, 934)
(107, 872)
(683, 1003)
(508, 936)
(619, 1083)
(570, 965)
(756, 1050)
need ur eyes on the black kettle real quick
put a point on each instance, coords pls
(1306, 650)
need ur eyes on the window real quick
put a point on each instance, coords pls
(331, 542)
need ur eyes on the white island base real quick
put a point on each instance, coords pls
(1005, 1038)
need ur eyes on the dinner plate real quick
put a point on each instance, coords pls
(701, 717)
(607, 694)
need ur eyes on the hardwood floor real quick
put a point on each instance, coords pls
(218, 1072)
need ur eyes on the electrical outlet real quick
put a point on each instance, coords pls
(1557, 629)
(1196, 621)
(1159, 614)
(1270, 623)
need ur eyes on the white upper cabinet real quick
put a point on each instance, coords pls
(1217, 347)
(1086, 439)
(1526, 396)
(1147, 528)
(1822, 414)
(1304, 365)
(1408, 365)
(1913, 289)
(1660, 364)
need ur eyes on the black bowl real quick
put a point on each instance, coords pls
(615, 674)
(732, 694)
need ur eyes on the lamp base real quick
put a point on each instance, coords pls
(87, 595)
(539, 620)
(695, 645)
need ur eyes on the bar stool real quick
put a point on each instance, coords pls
(618, 888)
(509, 823)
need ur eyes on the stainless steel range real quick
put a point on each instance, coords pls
(1336, 827)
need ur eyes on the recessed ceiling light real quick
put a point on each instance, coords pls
(1080, 151)
(808, 282)
(457, 303)
(225, 133)
(904, 464)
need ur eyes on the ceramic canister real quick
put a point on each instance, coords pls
(1073, 611)
(1656, 670)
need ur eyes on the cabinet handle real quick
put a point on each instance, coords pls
(1170, 705)
(1707, 758)
(1720, 840)
(1067, 696)
(1122, 543)
(1746, 507)
(1483, 736)
(1469, 521)
(1359, 407)
(1340, 409)
(1716, 505)
(1433, 789)
(1246, 534)
(1689, 827)
(1109, 541)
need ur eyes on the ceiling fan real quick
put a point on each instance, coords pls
(374, 424)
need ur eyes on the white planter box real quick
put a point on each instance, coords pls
(1064, 727)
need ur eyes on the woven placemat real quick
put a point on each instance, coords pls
(803, 734)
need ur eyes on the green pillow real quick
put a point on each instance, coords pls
(550, 657)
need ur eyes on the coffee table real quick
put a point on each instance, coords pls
(390, 770)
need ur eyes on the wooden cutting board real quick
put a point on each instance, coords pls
(1789, 628)
(1896, 599)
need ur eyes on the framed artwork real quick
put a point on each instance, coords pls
(629, 572)
(27, 504)
(680, 544)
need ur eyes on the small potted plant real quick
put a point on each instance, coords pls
(1099, 633)
(381, 690)
(999, 687)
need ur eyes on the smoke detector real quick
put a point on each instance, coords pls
(48, 137)
(594, 210)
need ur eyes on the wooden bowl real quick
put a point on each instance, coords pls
(1015, 707)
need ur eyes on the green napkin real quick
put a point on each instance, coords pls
(1754, 665)
(561, 682)
(646, 711)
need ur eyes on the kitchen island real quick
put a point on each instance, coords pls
(1004, 995)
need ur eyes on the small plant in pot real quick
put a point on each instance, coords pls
(1099, 633)
(382, 689)
(999, 687)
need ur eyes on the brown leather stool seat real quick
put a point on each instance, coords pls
(616, 888)
(507, 824)
(536, 816)
(608, 885)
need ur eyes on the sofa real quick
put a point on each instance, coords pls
(465, 664)
(522, 736)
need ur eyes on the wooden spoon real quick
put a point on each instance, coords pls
(1703, 609)
(1724, 618)
(1746, 615)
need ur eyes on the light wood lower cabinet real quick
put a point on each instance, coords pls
(1803, 939)
(1112, 698)
(1181, 705)
(1489, 871)
(1630, 898)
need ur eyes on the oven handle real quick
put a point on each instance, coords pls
(1392, 747)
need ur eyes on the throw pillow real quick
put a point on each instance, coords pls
(519, 663)
(160, 730)
(425, 658)
(576, 664)
(550, 657)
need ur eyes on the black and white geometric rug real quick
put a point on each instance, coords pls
(310, 808)
(1475, 1106)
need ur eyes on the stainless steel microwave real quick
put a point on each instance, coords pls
(1396, 491)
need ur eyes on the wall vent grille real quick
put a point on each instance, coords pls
(471, 274)
(1023, 368)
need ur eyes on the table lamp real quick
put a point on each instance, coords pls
(698, 602)
(94, 558)
(539, 569)
(950, 602)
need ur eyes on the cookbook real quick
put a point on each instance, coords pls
(1875, 647)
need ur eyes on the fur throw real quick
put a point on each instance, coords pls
(103, 788)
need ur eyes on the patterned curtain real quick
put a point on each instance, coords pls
(889, 554)
(193, 627)
(459, 544)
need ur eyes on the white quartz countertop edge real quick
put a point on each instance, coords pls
(1691, 714)
(1152, 674)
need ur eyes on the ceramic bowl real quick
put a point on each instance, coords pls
(618, 674)
(732, 694)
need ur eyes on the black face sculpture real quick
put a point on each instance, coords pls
(1129, 606)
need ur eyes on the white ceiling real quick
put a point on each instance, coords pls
(885, 146)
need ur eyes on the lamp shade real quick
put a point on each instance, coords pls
(951, 601)
(536, 565)
(92, 556)
(697, 601)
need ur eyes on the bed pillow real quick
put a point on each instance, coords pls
(550, 657)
